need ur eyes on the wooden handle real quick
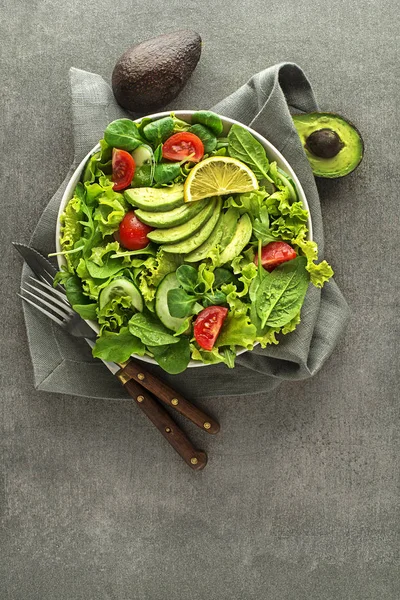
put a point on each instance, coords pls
(170, 397)
(195, 459)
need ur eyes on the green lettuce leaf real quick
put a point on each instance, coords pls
(150, 330)
(319, 273)
(154, 270)
(110, 211)
(117, 347)
(173, 359)
(115, 314)
(237, 330)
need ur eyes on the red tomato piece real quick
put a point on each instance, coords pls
(123, 169)
(274, 254)
(132, 233)
(181, 145)
(208, 324)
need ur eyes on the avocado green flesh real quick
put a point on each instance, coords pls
(203, 251)
(155, 199)
(193, 242)
(182, 232)
(239, 241)
(347, 159)
(170, 218)
(170, 282)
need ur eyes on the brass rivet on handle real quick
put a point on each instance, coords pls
(174, 401)
(207, 425)
(140, 376)
(168, 430)
(194, 460)
(140, 398)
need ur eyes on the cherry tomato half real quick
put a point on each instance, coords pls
(133, 233)
(208, 324)
(123, 169)
(274, 254)
(180, 145)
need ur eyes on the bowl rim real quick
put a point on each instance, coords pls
(268, 146)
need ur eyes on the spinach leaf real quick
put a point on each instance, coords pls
(166, 172)
(124, 134)
(158, 154)
(281, 293)
(150, 330)
(210, 119)
(173, 359)
(207, 137)
(223, 276)
(214, 299)
(180, 304)
(117, 347)
(261, 228)
(187, 277)
(158, 131)
(101, 265)
(245, 147)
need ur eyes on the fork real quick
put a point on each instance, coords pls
(53, 303)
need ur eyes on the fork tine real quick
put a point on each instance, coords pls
(66, 308)
(42, 310)
(53, 290)
(54, 308)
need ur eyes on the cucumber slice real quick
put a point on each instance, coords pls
(121, 287)
(143, 155)
(181, 232)
(170, 282)
(155, 199)
(176, 216)
(200, 236)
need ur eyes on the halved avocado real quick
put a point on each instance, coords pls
(334, 147)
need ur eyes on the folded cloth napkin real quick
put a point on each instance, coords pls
(265, 103)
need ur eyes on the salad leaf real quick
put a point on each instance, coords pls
(91, 169)
(214, 299)
(117, 347)
(281, 293)
(187, 277)
(222, 276)
(155, 269)
(143, 176)
(99, 252)
(101, 265)
(71, 229)
(166, 172)
(150, 330)
(124, 134)
(158, 131)
(319, 273)
(210, 120)
(205, 278)
(243, 146)
(110, 211)
(180, 304)
(211, 357)
(237, 330)
(173, 359)
(115, 313)
(78, 300)
(206, 135)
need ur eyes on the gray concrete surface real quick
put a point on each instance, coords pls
(300, 500)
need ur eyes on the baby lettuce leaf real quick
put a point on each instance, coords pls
(158, 131)
(180, 303)
(124, 134)
(206, 135)
(78, 300)
(166, 172)
(244, 146)
(281, 293)
(237, 330)
(187, 277)
(115, 314)
(150, 330)
(117, 347)
(209, 119)
(173, 359)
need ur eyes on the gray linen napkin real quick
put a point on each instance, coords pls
(65, 365)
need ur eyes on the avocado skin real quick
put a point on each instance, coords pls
(351, 152)
(151, 74)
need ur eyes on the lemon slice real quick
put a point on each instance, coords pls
(217, 176)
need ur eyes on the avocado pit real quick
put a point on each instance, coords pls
(324, 143)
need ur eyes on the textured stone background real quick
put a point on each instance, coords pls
(300, 500)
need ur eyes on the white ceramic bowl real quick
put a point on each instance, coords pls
(272, 153)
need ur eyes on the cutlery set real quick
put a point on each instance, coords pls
(148, 391)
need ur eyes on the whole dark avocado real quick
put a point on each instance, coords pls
(334, 147)
(151, 74)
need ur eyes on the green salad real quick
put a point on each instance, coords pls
(183, 243)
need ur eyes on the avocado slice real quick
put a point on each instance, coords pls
(239, 241)
(181, 232)
(229, 225)
(203, 251)
(193, 242)
(334, 147)
(173, 217)
(151, 74)
(155, 199)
